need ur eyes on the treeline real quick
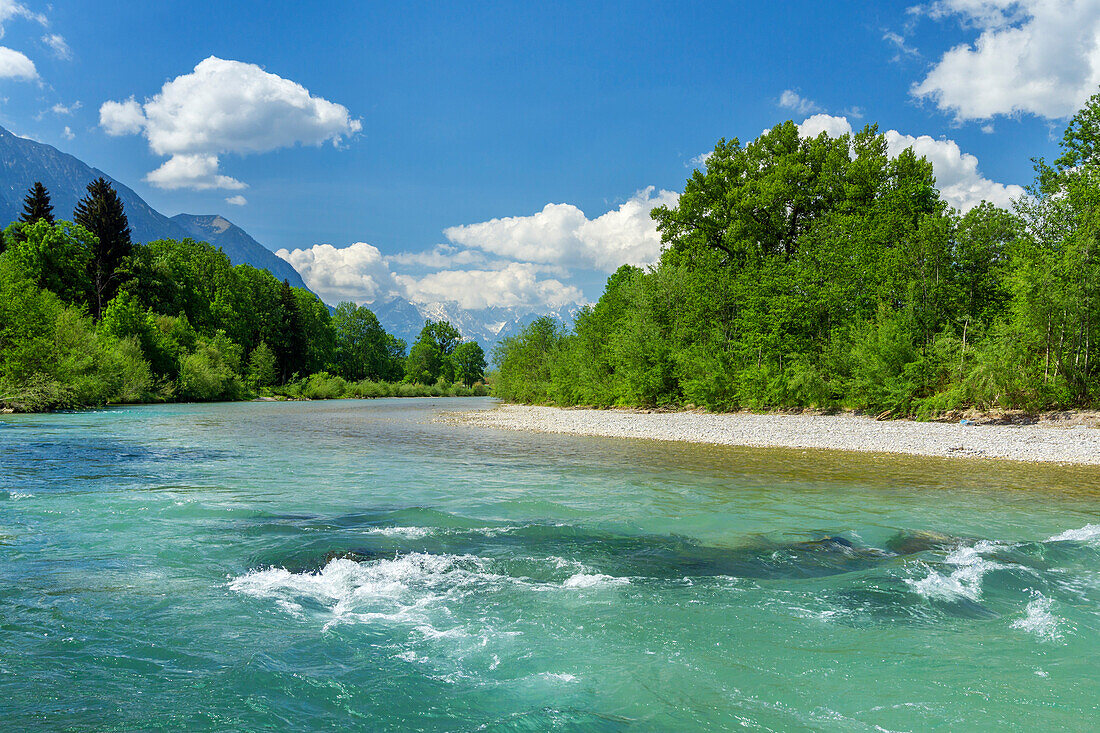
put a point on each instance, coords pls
(823, 273)
(88, 317)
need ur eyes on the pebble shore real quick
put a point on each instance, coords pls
(1043, 442)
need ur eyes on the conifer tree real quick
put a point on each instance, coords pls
(101, 213)
(290, 347)
(37, 205)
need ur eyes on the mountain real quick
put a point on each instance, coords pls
(487, 326)
(23, 161)
(237, 244)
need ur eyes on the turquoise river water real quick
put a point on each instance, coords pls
(361, 565)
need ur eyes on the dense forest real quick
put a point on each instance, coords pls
(88, 317)
(822, 273)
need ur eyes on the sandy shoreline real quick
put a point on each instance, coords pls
(1043, 442)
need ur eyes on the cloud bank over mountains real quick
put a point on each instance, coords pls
(512, 261)
(224, 107)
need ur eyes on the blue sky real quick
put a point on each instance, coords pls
(426, 117)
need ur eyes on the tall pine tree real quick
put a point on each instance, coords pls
(101, 213)
(290, 346)
(37, 205)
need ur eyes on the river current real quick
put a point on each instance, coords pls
(363, 565)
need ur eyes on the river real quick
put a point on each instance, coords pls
(364, 565)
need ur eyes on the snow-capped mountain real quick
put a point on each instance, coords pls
(487, 326)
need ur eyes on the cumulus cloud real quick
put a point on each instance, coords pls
(121, 118)
(67, 133)
(197, 172)
(957, 174)
(817, 124)
(14, 65)
(357, 273)
(237, 200)
(60, 47)
(517, 284)
(792, 100)
(561, 234)
(1040, 57)
(224, 107)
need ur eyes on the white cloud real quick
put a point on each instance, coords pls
(901, 44)
(237, 200)
(817, 124)
(357, 273)
(61, 109)
(228, 107)
(517, 284)
(792, 100)
(60, 48)
(197, 172)
(14, 65)
(10, 9)
(1040, 57)
(561, 234)
(440, 257)
(957, 175)
(121, 118)
(68, 133)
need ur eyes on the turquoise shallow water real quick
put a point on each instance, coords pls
(358, 565)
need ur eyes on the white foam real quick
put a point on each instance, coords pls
(14, 495)
(412, 589)
(585, 580)
(406, 532)
(1039, 620)
(559, 676)
(1087, 533)
(965, 581)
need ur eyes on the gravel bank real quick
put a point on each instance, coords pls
(1043, 442)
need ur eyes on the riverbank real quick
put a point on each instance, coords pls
(1071, 439)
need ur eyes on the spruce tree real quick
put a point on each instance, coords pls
(101, 213)
(291, 346)
(37, 205)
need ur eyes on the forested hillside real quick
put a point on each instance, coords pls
(823, 273)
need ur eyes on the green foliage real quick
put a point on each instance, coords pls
(211, 371)
(55, 257)
(363, 349)
(101, 213)
(469, 363)
(823, 273)
(430, 358)
(37, 206)
(262, 367)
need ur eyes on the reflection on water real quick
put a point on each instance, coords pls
(361, 565)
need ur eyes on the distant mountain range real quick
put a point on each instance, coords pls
(487, 326)
(23, 161)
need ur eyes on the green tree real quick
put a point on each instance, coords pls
(469, 362)
(361, 343)
(424, 364)
(262, 367)
(101, 212)
(37, 205)
(56, 257)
